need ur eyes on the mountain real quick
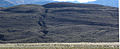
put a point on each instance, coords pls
(59, 22)
(4, 3)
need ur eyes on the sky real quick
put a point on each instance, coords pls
(113, 3)
(80, 1)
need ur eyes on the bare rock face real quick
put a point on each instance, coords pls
(59, 22)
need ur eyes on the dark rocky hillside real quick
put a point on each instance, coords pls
(59, 22)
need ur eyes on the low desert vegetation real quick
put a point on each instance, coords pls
(61, 46)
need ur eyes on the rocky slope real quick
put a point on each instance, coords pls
(59, 22)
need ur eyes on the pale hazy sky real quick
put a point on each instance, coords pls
(81, 1)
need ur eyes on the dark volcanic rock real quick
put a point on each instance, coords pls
(21, 23)
(82, 22)
(59, 22)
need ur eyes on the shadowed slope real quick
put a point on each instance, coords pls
(64, 22)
